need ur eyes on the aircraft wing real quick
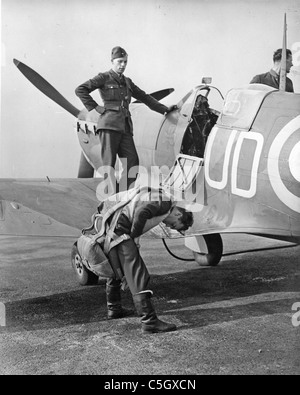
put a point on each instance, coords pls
(58, 207)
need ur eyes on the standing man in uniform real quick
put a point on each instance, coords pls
(272, 77)
(115, 124)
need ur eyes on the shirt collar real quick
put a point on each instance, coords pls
(120, 76)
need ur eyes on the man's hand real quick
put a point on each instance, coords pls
(82, 115)
(88, 116)
(93, 116)
(100, 109)
(171, 108)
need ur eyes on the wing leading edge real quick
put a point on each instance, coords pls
(42, 208)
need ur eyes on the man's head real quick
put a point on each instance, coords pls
(289, 59)
(179, 219)
(119, 59)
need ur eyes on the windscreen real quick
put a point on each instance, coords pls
(241, 106)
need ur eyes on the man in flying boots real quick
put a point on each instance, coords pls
(114, 301)
(127, 216)
(149, 320)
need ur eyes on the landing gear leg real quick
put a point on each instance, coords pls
(207, 249)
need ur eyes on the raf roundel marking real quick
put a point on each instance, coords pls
(288, 198)
(294, 162)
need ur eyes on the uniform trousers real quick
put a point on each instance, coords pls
(134, 269)
(113, 143)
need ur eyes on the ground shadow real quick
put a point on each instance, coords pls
(174, 294)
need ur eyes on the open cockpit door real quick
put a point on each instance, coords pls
(181, 180)
(169, 139)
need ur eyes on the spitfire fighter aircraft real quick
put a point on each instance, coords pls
(236, 167)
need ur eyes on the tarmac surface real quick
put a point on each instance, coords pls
(236, 318)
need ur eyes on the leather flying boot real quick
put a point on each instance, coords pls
(145, 310)
(114, 306)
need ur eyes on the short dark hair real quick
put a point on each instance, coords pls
(277, 55)
(187, 218)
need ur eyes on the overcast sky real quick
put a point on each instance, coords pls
(171, 43)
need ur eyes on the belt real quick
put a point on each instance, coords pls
(116, 105)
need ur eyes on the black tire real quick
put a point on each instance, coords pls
(83, 275)
(215, 251)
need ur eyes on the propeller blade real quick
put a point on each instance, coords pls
(40, 83)
(159, 95)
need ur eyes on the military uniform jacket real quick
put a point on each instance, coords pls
(116, 93)
(271, 78)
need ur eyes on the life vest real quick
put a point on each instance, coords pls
(94, 248)
(125, 202)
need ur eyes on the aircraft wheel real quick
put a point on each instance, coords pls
(214, 245)
(83, 275)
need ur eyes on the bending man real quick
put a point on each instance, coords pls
(127, 217)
